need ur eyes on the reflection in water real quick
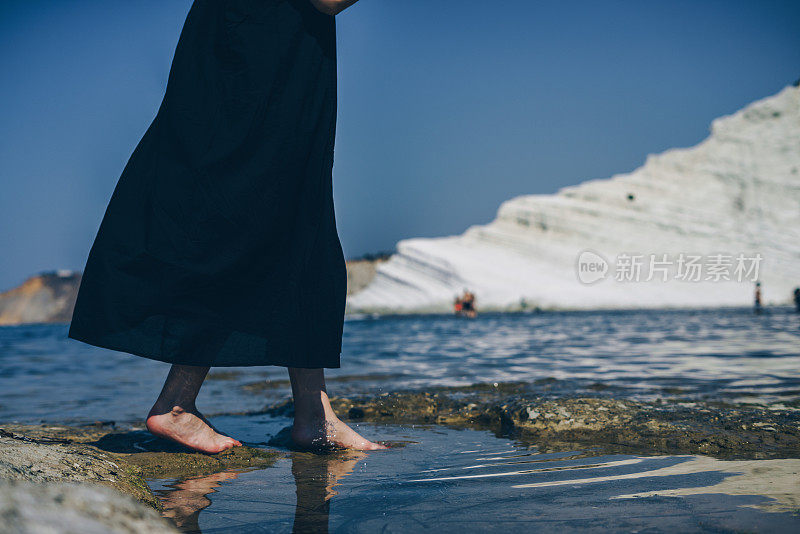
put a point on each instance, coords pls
(183, 504)
(451, 480)
(315, 476)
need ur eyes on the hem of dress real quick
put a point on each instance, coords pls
(98, 341)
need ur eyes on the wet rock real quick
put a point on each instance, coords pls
(181, 465)
(27, 507)
(355, 413)
(101, 454)
(159, 458)
(224, 374)
(722, 431)
(54, 459)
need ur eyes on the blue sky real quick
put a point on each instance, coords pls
(446, 108)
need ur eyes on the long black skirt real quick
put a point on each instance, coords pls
(219, 244)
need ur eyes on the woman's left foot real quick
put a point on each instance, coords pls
(330, 433)
(189, 428)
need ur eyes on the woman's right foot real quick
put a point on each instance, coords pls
(189, 428)
(330, 433)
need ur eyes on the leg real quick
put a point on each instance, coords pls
(174, 415)
(315, 424)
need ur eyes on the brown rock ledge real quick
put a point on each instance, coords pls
(120, 459)
(610, 425)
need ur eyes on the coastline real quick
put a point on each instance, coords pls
(124, 456)
(49, 297)
(699, 398)
(113, 463)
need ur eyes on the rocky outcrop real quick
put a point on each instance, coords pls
(360, 272)
(95, 476)
(120, 458)
(737, 192)
(49, 297)
(605, 424)
(45, 298)
(45, 454)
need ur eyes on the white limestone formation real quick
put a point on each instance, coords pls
(736, 193)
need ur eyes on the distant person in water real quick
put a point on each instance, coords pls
(796, 296)
(757, 300)
(219, 244)
(465, 305)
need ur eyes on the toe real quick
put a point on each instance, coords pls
(371, 446)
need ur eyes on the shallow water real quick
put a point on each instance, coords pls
(729, 355)
(450, 480)
(446, 480)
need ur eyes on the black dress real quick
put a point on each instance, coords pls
(219, 244)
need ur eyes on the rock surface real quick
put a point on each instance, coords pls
(100, 455)
(360, 273)
(44, 298)
(120, 459)
(91, 479)
(568, 424)
(737, 192)
(46, 455)
(71, 508)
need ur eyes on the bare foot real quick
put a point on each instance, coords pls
(330, 433)
(190, 497)
(189, 428)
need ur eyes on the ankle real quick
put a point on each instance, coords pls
(314, 416)
(309, 416)
(173, 408)
(177, 411)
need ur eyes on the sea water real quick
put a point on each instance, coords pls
(455, 480)
(730, 354)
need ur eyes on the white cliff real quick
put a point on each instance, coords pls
(737, 192)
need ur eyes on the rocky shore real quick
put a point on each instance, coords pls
(602, 424)
(26, 507)
(96, 475)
